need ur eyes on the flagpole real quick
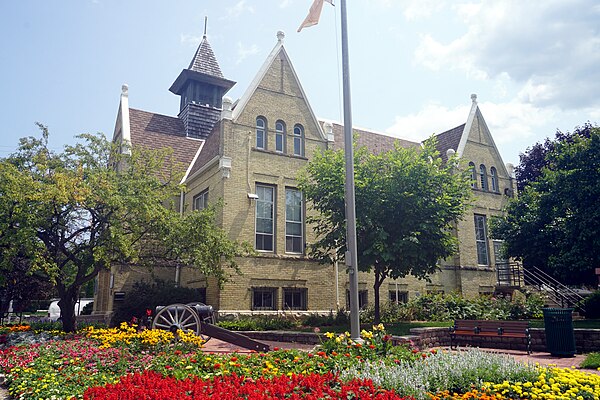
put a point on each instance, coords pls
(351, 251)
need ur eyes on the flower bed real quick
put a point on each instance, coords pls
(153, 386)
(104, 361)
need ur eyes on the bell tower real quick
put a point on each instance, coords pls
(201, 87)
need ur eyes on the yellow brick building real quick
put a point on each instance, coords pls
(247, 153)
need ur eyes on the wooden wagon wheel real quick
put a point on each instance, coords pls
(175, 317)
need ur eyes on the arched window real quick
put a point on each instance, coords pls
(298, 140)
(473, 175)
(483, 177)
(280, 136)
(494, 176)
(261, 133)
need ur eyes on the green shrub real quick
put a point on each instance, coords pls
(452, 306)
(340, 318)
(592, 361)
(148, 295)
(257, 323)
(87, 309)
(592, 305)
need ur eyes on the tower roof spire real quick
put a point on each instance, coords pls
(204, 60)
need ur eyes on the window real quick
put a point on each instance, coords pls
(363, 296)
(499, 257)
(473, 176)
(293, 221)
(435, 291)
(298, 140)
(264, 217)
(200, 201)
(263, 298)
(398, 296)
(494, 176)
(261, 133)
(280, 136)
(483, 177)
(481, 240)
(294, 298)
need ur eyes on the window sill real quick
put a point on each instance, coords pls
(279, 153)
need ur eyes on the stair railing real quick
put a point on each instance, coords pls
(558, 292)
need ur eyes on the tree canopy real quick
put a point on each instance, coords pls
(407, 201)
(534, 159)
(554, 224)
(74, 213)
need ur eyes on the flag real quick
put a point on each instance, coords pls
(314, 14)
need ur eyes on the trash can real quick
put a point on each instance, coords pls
(560, 337)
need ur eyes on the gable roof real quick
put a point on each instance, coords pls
(277, 52)
(449, 139)
(374, 141)
(204, 60)
(209, 151)
(157, 131)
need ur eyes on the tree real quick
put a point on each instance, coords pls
(407, 201)
(534, 159)
(554, 224)
(73, 214)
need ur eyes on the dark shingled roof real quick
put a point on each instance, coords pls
(157, 131)
(210, 149)
(449, 140)
(375, 142)
(204, 60)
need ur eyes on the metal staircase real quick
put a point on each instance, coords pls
(514, 275)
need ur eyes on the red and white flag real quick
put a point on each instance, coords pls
(314, 14)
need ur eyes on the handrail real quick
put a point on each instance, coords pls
(560, 293)
(514, 274)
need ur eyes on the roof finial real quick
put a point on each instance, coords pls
(205, 23)
(280, 36)
(474, 98)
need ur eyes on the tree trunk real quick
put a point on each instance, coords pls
(379, 278)
(68, 299)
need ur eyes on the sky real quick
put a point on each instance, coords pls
(534, 65)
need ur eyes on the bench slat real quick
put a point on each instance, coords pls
(487, 328)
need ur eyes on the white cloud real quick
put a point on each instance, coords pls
(244, 52)
(238, 9)
(418, 9)
(433, 118)
(550, 48)
(285, 3)
(508, 122)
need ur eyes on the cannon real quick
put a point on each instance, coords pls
(200, 319)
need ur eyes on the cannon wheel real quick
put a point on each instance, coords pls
(210, 320)
(175, 317)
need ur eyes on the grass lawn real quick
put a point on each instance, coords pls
(577, 323)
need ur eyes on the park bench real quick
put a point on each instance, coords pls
(465, 328)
